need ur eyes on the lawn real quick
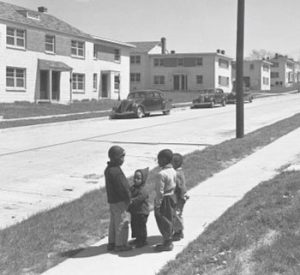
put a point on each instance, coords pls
(48, 238)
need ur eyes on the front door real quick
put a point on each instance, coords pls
(180, 82)
(44, 85)
(55, 85)
(104, 85)
(176, 82)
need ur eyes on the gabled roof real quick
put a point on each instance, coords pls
(144, 47)
(16, 14)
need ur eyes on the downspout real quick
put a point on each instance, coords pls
(71, 71)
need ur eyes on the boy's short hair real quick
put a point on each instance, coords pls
(116, 152)
(177, 160)
(167, 154)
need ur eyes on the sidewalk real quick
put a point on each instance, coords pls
(207, 202)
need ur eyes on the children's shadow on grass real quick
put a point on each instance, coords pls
(85, 252)
(149, 248)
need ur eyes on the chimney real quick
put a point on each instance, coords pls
(163, 45)
(222, 52)
(42, 9)
(218, 50)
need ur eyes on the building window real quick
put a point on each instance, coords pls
(159, 79)
(199, 79)
(158, 62)
(290, 76)
(223, 63)
(78, 82)
(95, 82)
(251, 66)
(117, 82)
(135, 59)
(180, 62)
(15, 37)
(290, 65)
(15, 78)
(50, 43)
(224, 81)
(77, 48)
(265, 80)
(266, 68)
(199, 61)
(117, 54)
(274, 74)
(135, 77)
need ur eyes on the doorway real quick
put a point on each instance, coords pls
(180, 82)
(49, 90)
(104, 85)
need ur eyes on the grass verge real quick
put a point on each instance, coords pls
(258, 235)
(48, 238)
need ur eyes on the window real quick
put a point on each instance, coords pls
(77, 48)
(199, 61)
(265, 80)
(50, 43)
(290, 65)
(159, 79)
(223, 80)
(15, 37)
(223, 63)
(78, 82)
(135, 77)
(274, 74)
(135, 59)
(265, 67)
(290, 77)
(199, 79)
(117, 54)
(158, 62)
(180, 61)
(95, 82)
(15, 78)
(117, 82)
(251, 66)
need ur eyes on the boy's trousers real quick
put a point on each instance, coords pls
(164, 217)
(139, 226)
(119, 223)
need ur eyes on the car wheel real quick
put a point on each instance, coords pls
(224, 103)
(212, 104)
(167, 112)
(140, 112)
(147, 114)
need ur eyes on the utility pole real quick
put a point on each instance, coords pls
(239, 79)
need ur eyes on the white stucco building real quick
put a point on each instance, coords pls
(152, 66)
(45, 59)
(257, 74)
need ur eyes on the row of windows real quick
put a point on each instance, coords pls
(170, 62)
(16, 79)
(16, 38)
(159, 79)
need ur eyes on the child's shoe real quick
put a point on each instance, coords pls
(177, 236)
(165, 246)
(140, 244)
(122, 248)
(110, 247)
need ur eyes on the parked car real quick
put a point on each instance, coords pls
(142, 103)
(210, 98)
(231, 97)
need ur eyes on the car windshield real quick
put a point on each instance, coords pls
(136, 95)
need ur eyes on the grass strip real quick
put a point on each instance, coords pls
(50, 237)
(258, 235)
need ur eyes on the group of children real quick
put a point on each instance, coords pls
(130, 205)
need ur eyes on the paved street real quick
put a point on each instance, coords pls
(45, 165)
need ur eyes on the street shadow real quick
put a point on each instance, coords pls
(93, 251)
(85, 252)
(149, 248)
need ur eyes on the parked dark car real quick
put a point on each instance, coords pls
(142, 103)
(231, 98)
(210, 98)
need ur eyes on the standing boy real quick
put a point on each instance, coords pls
(118, 197)
(164, 203)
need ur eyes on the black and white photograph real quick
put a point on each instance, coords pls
(146, 137)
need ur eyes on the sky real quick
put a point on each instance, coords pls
(188, 25)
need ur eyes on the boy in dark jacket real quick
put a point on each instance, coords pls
(139, 208)
(118, 197)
